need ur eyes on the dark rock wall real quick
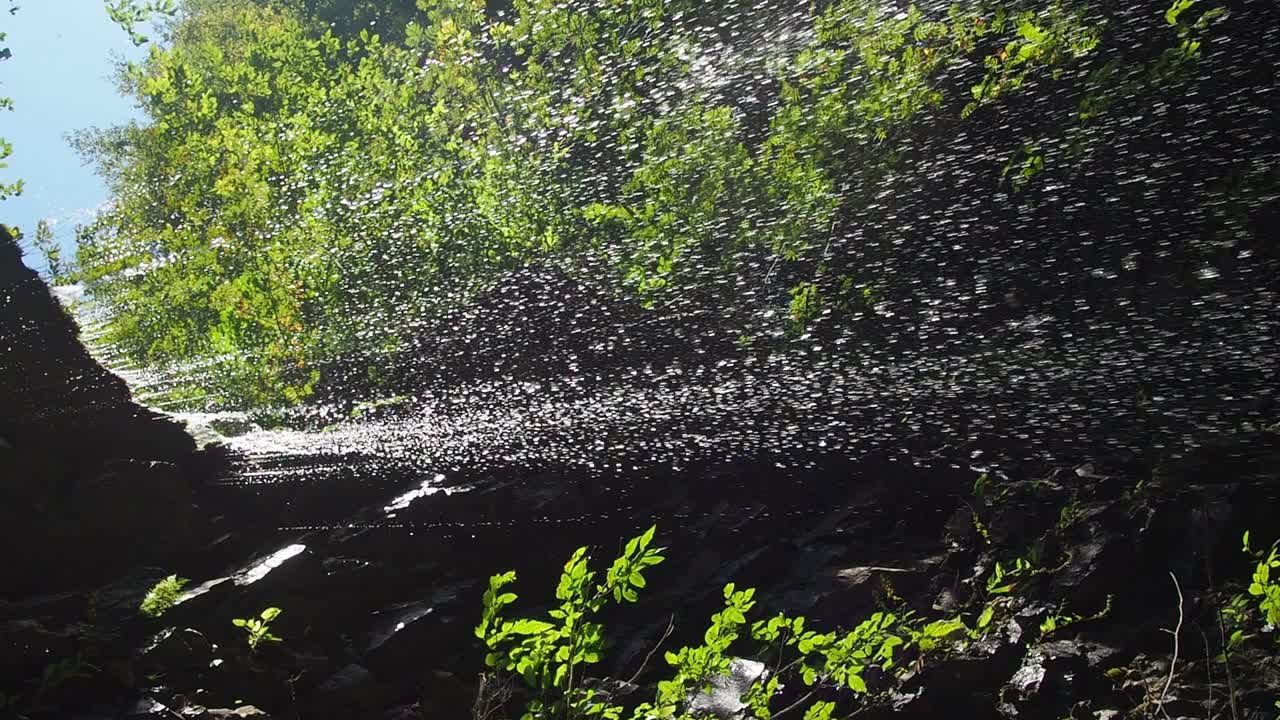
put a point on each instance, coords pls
(90, 482)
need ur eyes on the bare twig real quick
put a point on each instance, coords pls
(1207, 533)
(830, 234)
(787, 668)
(491, 696)
(782, 649)
(794, 705)
(671, 625)
(293, 694)
(1173, 664)
(1226, 658)
(769, 274)
(1208, 666)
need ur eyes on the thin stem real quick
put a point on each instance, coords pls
(573, 649)
(671, 624)
(1226, 658)
(807, 696)
(782, 648)
(1173, 664)
(790, 665)
(1208, 665)
(293, 695)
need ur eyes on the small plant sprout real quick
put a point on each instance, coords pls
(162, 596)
(258, 630)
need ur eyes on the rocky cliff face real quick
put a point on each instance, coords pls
(91, 483)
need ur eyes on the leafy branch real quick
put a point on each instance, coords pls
(129, 14)
(548, 655)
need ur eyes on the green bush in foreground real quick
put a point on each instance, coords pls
(1259, 604)
(550, 656)
(1263, 586)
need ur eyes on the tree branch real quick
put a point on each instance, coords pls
(671, 625)
(1173, 664)
(807, 696)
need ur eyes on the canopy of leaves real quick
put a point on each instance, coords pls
(296, 172)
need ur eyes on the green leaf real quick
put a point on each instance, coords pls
(820, 710)
(526, 626)
(984, 619)
(1176, 9)
(944, 628)
(647, 537)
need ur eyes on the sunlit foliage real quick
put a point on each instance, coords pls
(296, 172)
(162, 596)
(7, 189)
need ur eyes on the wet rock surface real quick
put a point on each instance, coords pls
(359, 643)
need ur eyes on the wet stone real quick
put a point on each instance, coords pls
(245, 711)
(178, 650)
(352, 689)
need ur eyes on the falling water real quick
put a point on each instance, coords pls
(1029, 331)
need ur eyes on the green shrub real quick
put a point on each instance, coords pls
(258, 630)
(162, 596)
(549, 655)
(1263, 585)
(1240, 615)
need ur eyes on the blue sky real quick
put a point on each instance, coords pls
(60, 79)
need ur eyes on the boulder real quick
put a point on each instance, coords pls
(446, 696)
(177, 650)
(245, 711)
(723, 698)
(353, 691)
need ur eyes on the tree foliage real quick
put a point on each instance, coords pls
(297, 170)
(7, 189)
